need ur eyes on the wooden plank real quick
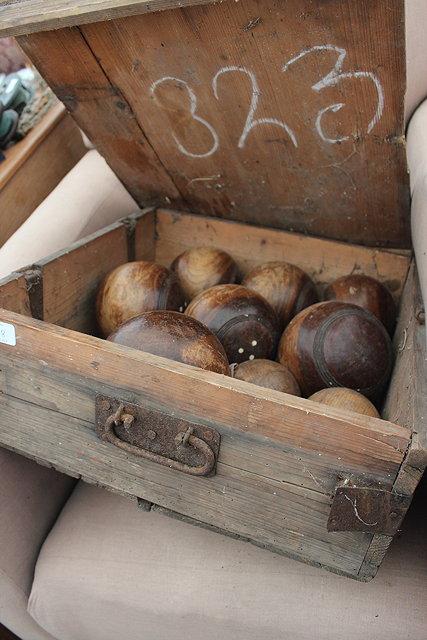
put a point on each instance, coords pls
(27, 16)
(14, 294)
(72, 71)
(68, 395)
(354, 443)
(35, 165)
(72, 277)
(406, 401)
(374, 556)
(288, 115)
(69, 298)
(323, 260)
(287, 518)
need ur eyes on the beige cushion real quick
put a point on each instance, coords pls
(87, 199)
(31, 497)
(417, 162)
(109, 570)
(416, 58)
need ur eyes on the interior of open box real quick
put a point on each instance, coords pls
(64, 286)
(283, 453)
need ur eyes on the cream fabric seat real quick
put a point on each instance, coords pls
(109, 570)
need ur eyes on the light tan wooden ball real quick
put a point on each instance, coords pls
(346, 399)
(269, 374)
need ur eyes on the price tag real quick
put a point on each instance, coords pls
(7, 334)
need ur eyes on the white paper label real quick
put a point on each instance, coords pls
(7, 334)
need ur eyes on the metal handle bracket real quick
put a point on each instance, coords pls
(159, 437)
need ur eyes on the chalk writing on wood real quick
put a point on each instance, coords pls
(193, 108)
(250, 121)
(331, 79)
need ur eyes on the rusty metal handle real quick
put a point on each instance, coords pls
(184, 439)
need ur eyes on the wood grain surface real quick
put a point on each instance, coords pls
(101, 110)
(280, 454)
(287, 115)
(21, 17)
(322, 259)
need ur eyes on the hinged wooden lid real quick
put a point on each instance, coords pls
(281, 114)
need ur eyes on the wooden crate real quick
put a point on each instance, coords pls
(35, 165)
(282, 126)
(281, 458)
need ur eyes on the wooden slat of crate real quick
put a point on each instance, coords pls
(406, 401)
(287, 114)
(71, 278)
(14, 294)
(56, 387)
(365, 444)
(82, 272)
(323, 260)
(66, 436)
(25, 16)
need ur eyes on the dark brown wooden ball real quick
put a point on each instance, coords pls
(135, 287)
(203, 267)
(175, 336)
(242, 320)
(269, 374)
(346, 399)
(337, 344)
(286, 287)
(366, 292)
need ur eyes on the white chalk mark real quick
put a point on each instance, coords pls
(356, 513)
(335, 75)
(193, 108)
(251, 121)
(319, 129)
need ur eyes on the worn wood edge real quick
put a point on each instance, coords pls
(391, 439)
(407, 405)
(30, 16)
(129, 222)
(360, 576)
(19, 153)
(374, 557)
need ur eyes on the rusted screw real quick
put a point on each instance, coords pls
(127, 420)
(420, 316)
(393, 514)
(151, 435)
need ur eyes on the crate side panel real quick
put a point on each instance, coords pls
(72, 278)
(70, 394)
(14, 294)
(324, 260)
(362, 444)
(288, 115)
(406, 401)
(289, 519)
